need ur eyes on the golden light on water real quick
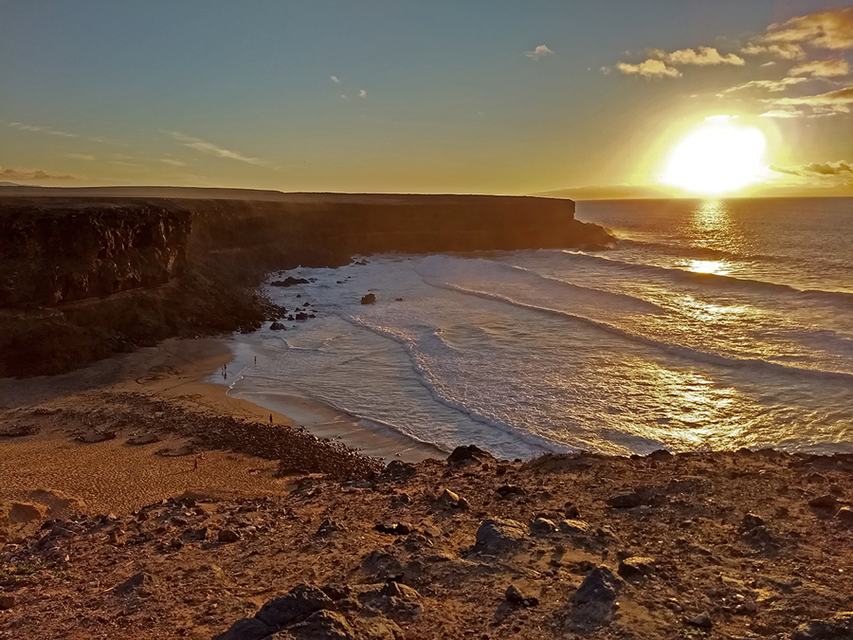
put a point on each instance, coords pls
(719, 157)
(717, 267)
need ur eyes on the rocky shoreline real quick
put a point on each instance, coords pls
(715, 545)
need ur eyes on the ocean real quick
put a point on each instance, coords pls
(710, 325)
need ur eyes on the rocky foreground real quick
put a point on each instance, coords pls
(722, 545)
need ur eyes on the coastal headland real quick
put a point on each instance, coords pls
(138, 501)
(92, 272)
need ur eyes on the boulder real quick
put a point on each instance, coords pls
(302, 601)
(370, 298)
(140, 584)
(839, 627)
(288, 282)
(277, 326)
(542, 527)
(626, 500)
(499, 535)
(599, 587)
(636, 567)
(472, 454)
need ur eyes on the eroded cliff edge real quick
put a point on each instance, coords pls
(82, 277)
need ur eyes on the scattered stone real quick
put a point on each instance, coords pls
(142, 584)
(277, 326)
(398, 471)
(571, 511)
(328, 527)
(626, 500)
(227, 535)
(19, 431)
(499, 535)
(839, 627)
(750, 521)
(93, 437)
(472, 454)
(393, 528)
(7, 601)
(574, 527)
(450, 500)
(288, 282)
(703, 620)
(542, 527)
(246, 629)
(845, 516)
(143, 438)
(660, 455)
(823, 502)
(302, 601)
(636, 567)
(301, 316)
(508, 491)
(370, 298)
(381, 565)
(599, 587)
(514, 596)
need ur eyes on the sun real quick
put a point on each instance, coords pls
(717, 158)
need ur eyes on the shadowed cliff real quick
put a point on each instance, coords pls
(83, 277)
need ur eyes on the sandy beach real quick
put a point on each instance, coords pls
(115, 476)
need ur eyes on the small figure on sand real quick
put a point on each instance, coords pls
(270, 418)
(256, 360)
(199, 458)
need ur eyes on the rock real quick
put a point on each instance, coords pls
(7, 601)
(636, 567)
(574, 527)
(499, 535)
(301, 316)
(472, 454)
(323, 625)
(542, 527)
(399, 602)
(750, 521)
(381, 565)
(823, 502)
(93, 437)
(277, 326)
(328, 527)
(288, 282)
(195, 535)
(143, 438)
(845, 516)
(246, 629)
(370, 298)
(227, 535)
(514, 596)
(571, 511)
(23, 512)
(507, 491)
(839, 627)
(393, 528)
(449, 500)
(398, 471)
(625, 500)
(703, 620)
(600, 586)
(302, 601)
(142, 584)
(660, 455)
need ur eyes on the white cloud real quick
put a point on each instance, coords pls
(649, 69)
(80, 156)
(362, 93)
(829, 103)
(173, 162)
(773, 86)
(703, 56)
(335, 79)
(538, 52)
(40, 129)
(214, 150)
(822, 68)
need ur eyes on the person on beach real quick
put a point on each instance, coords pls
(198, 458)
(270, 418)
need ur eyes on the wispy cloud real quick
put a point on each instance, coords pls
(773, 86)
(34, 128)
(702, 56)
(786, 51)
(838, 168)
(173, 162)
(362, 93)
(214, 150)
(335, 79)
(828, 103)
(784, 113)
(37, 174)
(80, 156)
(540, 51)
(649, 69)
(830, 29)
(822, 68)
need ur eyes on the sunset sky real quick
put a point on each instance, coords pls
(590, 97)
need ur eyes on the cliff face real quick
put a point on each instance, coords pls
(55, 252)
(81, 278)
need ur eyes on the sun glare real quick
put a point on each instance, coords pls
(719, 157)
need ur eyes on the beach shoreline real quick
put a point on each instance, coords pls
(116, 395)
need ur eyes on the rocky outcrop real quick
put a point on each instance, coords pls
(84, 277)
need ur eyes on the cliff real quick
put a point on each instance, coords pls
(84, 276)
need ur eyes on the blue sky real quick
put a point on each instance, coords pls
(482, 97)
